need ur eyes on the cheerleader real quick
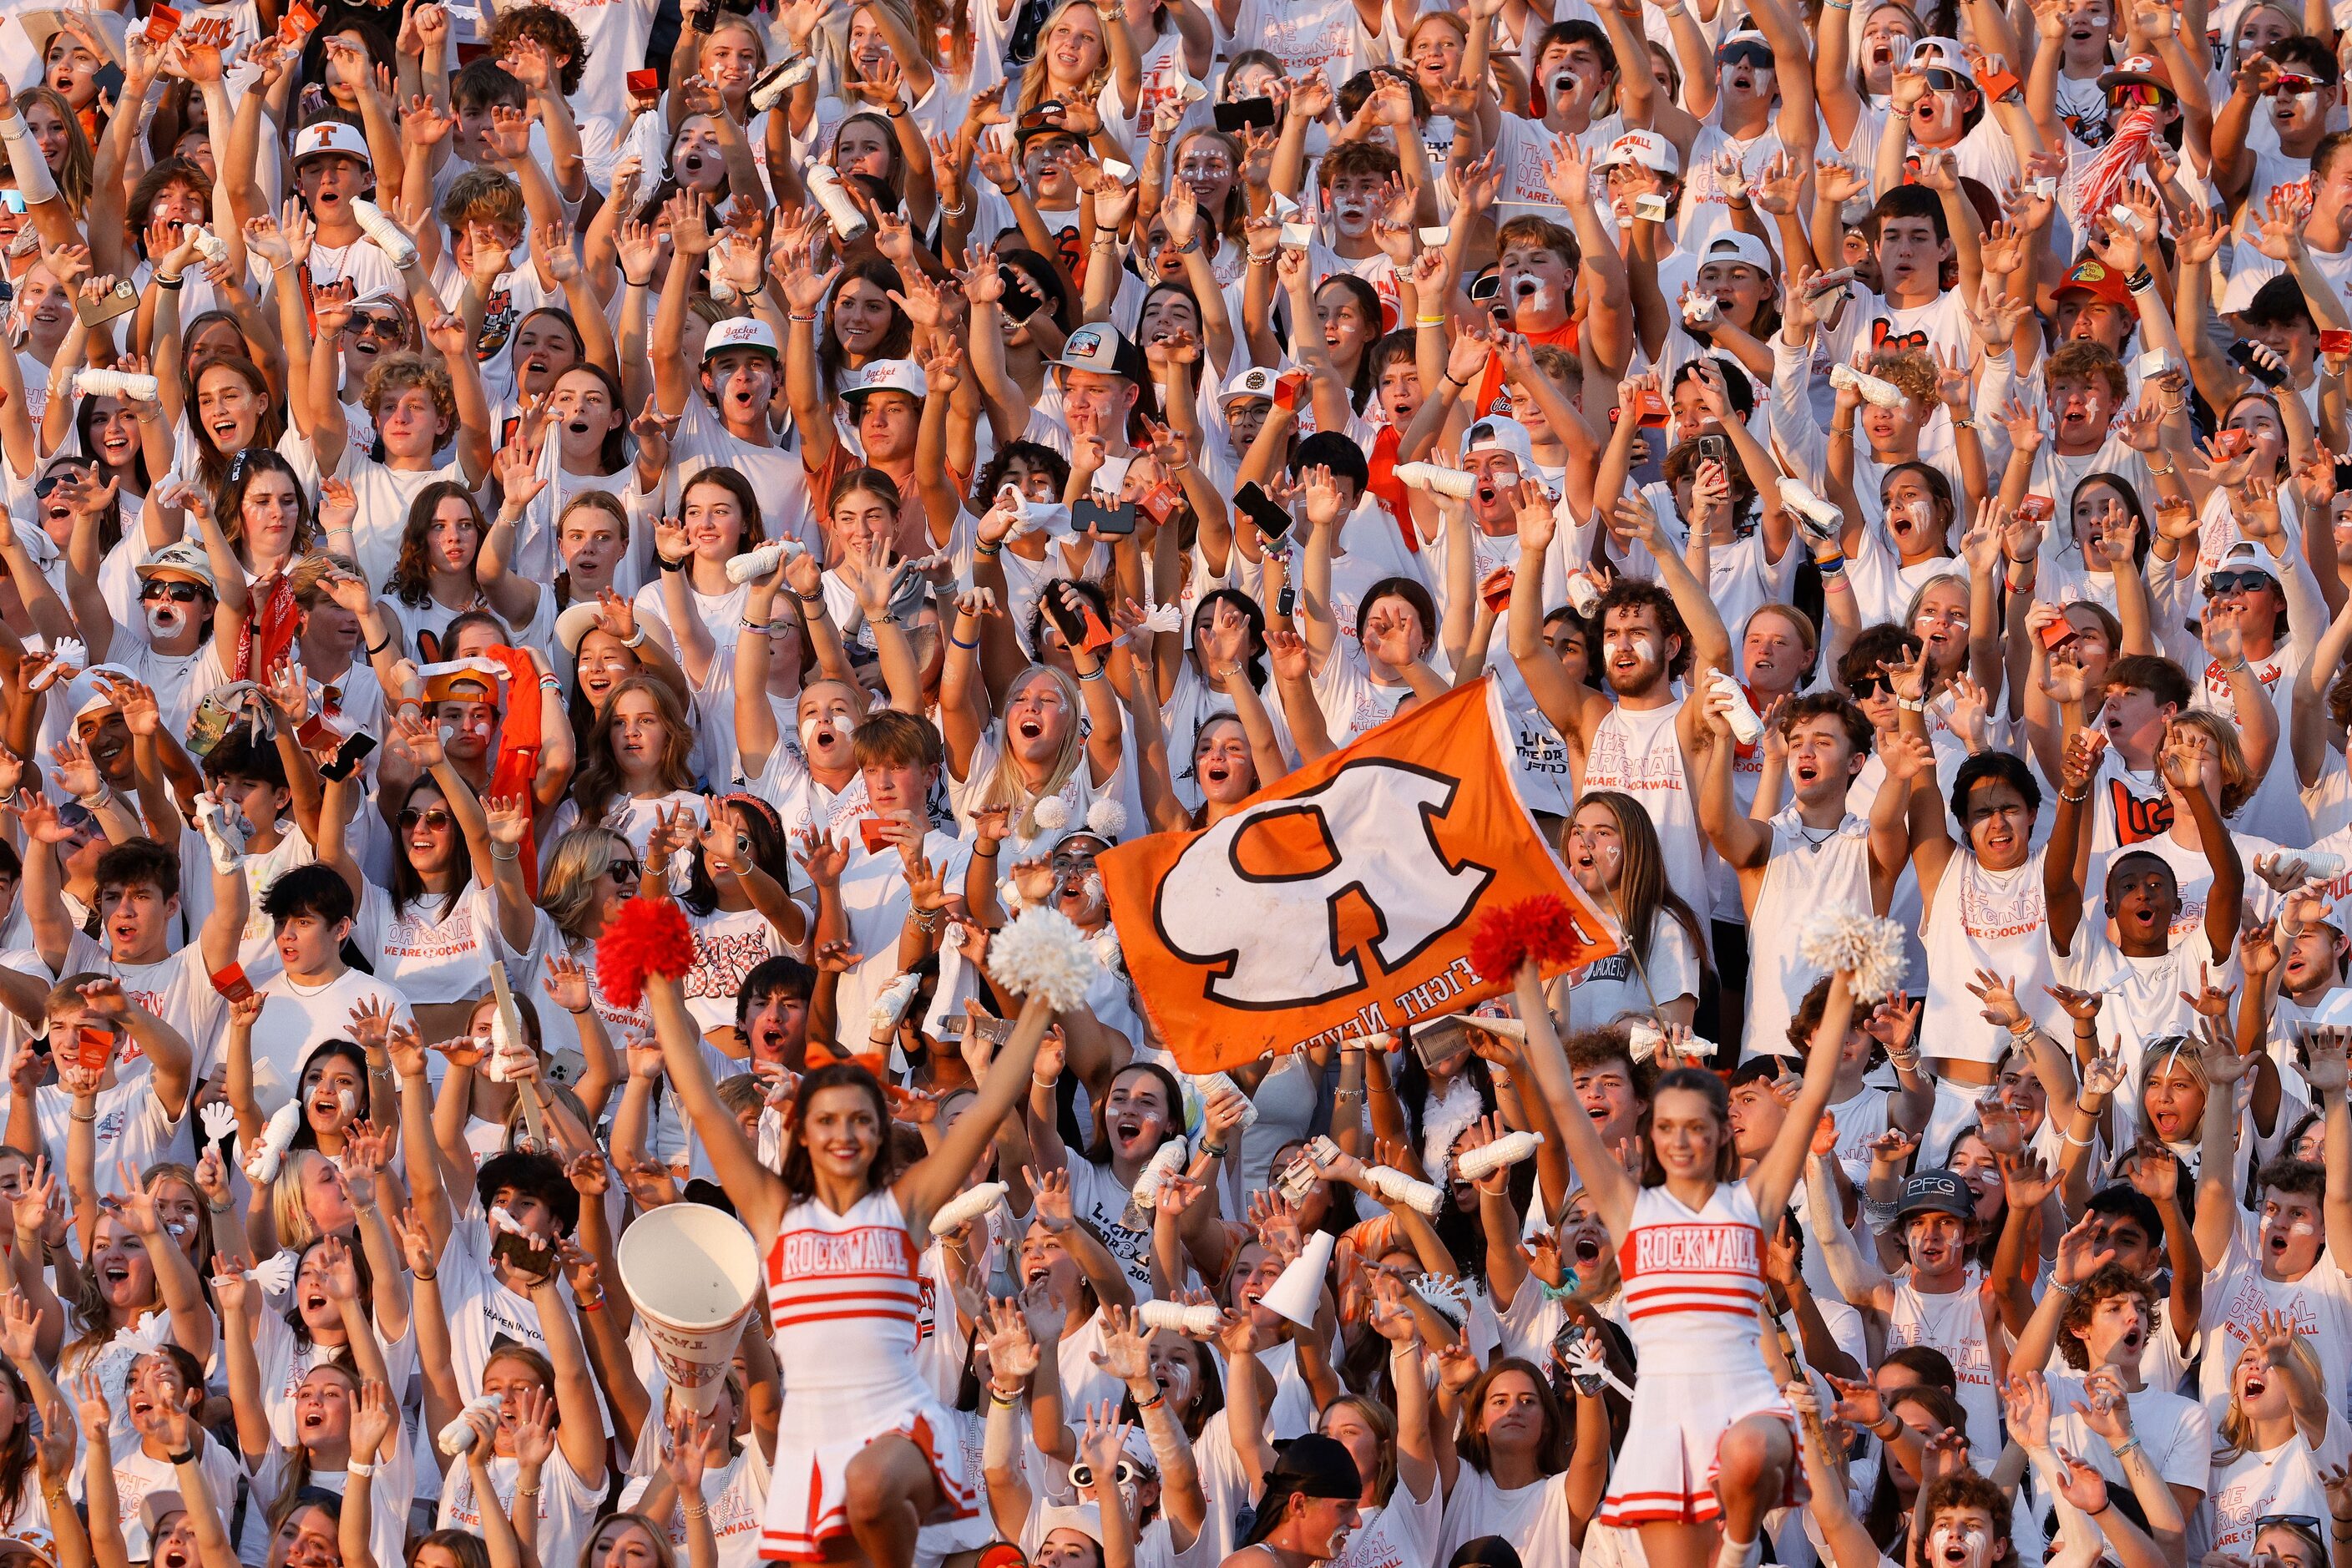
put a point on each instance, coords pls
(1712, 1443)
(865, 1454)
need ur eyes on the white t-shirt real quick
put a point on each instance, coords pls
(297, 1020)
(2262, 1483)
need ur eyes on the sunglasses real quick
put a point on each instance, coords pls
(1942, 80)
(2287, 85)
(1747, 52)
(1863, 690)
(2219, 583)
(43, 486)
(2139, 95)
(2307, 1522)
(178, 593)
(367, 323)
(625, 870)
(434, 817)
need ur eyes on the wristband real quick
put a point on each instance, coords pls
(356, 1468)
(595, 1305)
(1158, 1397)
(186, 1456)
(1911, 704)
(513, 852)
(549, 683)
(1833, 566)
(2142, 280)
(426, 1279)
(1429, 320)
(2130, 1443)
(988, 552)
(1215, 1150)
(2075, 799)
(955, 641)
(796, 316)
(2065, 1289)
(173, 284)
(1006, 1400)
(379, 648)
(666, 564)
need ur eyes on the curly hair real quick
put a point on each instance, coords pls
(552, 31)
(2111, 1282)
(395, 373)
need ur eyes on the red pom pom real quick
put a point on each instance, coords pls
(650, 937)
(1540, 929)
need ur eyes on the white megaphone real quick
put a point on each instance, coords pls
(510, 1049)
(1299, 1290)
(691, 1271)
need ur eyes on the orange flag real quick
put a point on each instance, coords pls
(1341, 901)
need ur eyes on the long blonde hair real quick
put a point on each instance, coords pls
(1034, 84)
(1005, 787)
(2237, 780)
(2235, 1433)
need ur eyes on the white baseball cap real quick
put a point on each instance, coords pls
(1733, 245)
(1646, 148)
(740, 333)
(890, 375)
(1498, 433)
(324, 136)
(1257, 381)
(1938, 52)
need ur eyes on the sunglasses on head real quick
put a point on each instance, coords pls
(2235, 582)
(2307, 1522)
(178, 593)
(434, 817)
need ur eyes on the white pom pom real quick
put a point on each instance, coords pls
(1043, 954)
(1397, 1187)
(1106, 818)
(1867, 950)
(275, 1274)
(967, 1206)
(1445, 1293)
(219, 1120)
(1165, 1161)
(1488, 1158)
(1052, 814)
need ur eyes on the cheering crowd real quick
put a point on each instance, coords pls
(620, 612)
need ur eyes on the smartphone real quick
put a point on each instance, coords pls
(1495, 588)
(2332, 341)
(643, 83)
(2036, 509)
(2057, 634)
(875, 836)
(162, 23)
(348, 756)
(1710, 448)
(1080, 627)
(518, 1251)
(231, 983)
(1112, 520)
(2271, 375)
(1236, 117)
(1270, 520)
(118, 300)
(1018, 304)
(1485, 288)
(93, 1047)
(109, 81)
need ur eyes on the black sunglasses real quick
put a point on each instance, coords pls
(1747, 51)
(626, 870)
(2236, 581)
(2307, 1522)
(365, 322)
(178, 593)
(1869, 686)
(1942, 80)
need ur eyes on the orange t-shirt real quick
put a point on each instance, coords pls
(1492, 398)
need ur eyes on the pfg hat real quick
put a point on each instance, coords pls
(323, 136)
(1500, 434)
(740, 333)
(1646, 148)
(1936, 1192)
(154, 1506)
(1257, 381)
(890, 375)
(181, 558)
(1744, 249)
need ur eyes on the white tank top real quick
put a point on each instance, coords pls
(1693, 1280)
(1954, 1324)
(1805, 873)
(1986, 919)
(1639, 753)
